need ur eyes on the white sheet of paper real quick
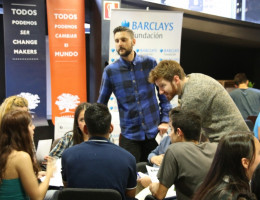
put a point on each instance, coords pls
(56, 180)
(152, 172)
(62, 126)
(43, 149)
(159, 137)
(142, 194)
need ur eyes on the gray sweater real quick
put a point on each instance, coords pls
(208, 97)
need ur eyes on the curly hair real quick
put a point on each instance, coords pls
(12, 103)
(166, 69)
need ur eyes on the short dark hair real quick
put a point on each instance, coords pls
(240, 78)
(124, 29)
(188, 121)
(98, 119)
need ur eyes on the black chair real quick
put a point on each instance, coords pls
(88, 194)
(151, 197)
(250, 124)
(141, 167)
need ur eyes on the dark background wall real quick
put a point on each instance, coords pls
(216, 46)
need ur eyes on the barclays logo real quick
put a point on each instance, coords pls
(161, 50)
(137, 50)
(152, 26)
(112, 60)
(125, 23)
(113, 50)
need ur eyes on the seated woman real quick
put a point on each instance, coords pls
(16, 103)
(237, 156)
(75, 136)
(18, 168)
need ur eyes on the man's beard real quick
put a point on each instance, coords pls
(174, 92)
(126, 53)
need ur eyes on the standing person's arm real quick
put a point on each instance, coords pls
(153, 153)
(165, 107)
(105, 89)
(27, 176)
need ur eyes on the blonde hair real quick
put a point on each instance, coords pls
(11, 103)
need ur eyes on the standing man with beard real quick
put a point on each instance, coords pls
(140, 115)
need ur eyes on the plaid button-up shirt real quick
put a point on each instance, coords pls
(65, 142)
(140, 113)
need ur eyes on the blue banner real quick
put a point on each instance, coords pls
(25, 59)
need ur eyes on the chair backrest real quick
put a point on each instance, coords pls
(88, 194)
(141, 167)
(252, 118)
(250, 124)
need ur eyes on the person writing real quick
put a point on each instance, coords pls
(186, 161)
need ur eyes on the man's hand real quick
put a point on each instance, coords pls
(157, 160)
(163, 127)
(158, 190)
(153, 188)
(145, 181)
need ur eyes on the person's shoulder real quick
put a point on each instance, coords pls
(68, 134)
(113, 65)
(235, 91)
(202, 77)
(166, 139)
(182, 146)
(71, 150)
(208, 145)
(145, 58)
(254, 91)
(122, 152)
(20, 156)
